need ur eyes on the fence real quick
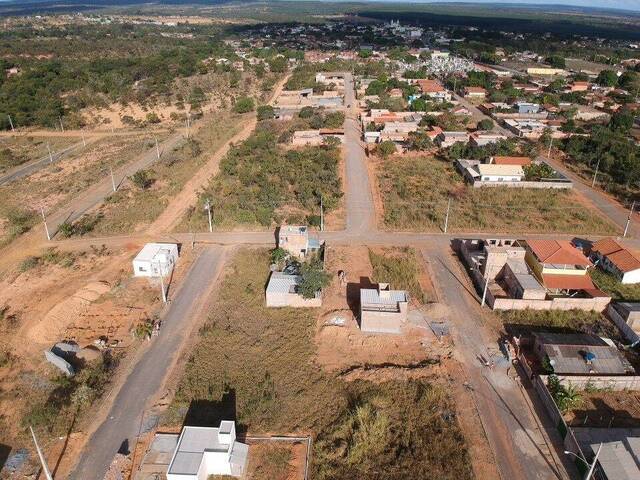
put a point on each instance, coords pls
(601, 382)
(570, 442)
(622, 325)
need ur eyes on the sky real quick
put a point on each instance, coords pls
(619, 4)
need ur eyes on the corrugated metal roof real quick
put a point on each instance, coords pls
(282, 283)
(371, 296)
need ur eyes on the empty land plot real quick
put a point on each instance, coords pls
(137, 204)
(15, 151)
(261, 184)
(415, 191)
(612, 286)
(564, 321)
(605, 409)
(256, 364)
(20, 201)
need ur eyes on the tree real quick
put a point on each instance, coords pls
(386, 148)
(376, 88)
(331, 141)
(419, 105)
(537, 171)
(630, 81)
(621, 121)
(485, 124)
(607, 78)
(556, 61)
(265, 112)
(278, 64)
(142, 179)
(244, 105)
(306, 112)
(419, 141)
(313, 278)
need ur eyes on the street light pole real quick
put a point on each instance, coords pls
(550, 144)
(484, 292)
(321, 215)
(44, 220)
(11, 123)
(50, 156)
(207, 207)
(113, 180)
(164, 294)
(43, 461)
(592, 466)
(446, 218)
(157, 149)
(626, 227)
(595, 174)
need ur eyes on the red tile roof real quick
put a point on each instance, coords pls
(567, 282)
(624, 259)
(512, 160)
(430, 86)
(558, 252)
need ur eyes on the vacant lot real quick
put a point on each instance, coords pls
(15, 151)
(51, 187)
(363, 430)
(261, 184)
(605, 409)
(415, 191)
(134, 206)
(569, 321)
(610, 284)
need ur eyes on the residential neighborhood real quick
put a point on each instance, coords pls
(319, 240)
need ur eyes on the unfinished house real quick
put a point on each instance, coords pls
(580, 354)
(282, 291)
(383, 310)
(516, 274)
(205, 451)
(295, 240)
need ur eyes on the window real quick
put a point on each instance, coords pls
(142, 269)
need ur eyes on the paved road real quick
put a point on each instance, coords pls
(359, 204)
(123, 421)
(103, 188)
(522, 447)
(607, 205)
(32, 167)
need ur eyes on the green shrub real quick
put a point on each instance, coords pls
(244, 105)
(142, 179)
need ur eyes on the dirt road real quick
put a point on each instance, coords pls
(522, 448)
(121, 427)
(188, 196)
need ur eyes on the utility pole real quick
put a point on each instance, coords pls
(595, 174)
(84, 142)
(157, 149)
(446, 218)
(550, 144)
(593, 465)
(321, 215)
(11, 123)
(113, 180)
(43, 461)
(188, 123)
(626, 227)
(61, 125)
(50, 156)
(164, 294)
(484, 292)
(207, 207)
(44, 220)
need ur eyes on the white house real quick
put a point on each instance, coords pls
(205, 451)
(155, 259)
(612, 257)
(500, 173)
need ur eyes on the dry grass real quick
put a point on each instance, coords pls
(399, 268)
(132, 208)
(27, 148)
(569, 321)
(257, 365)
(415, 191)
(56, 184)
(612, 286)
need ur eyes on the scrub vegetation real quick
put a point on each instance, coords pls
(415, 192)
(395, 429)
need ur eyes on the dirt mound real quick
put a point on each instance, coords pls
(51, 327)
